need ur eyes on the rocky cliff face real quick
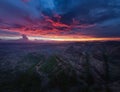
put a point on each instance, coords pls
(77, 67)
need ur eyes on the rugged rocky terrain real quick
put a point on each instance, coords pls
(64, 67)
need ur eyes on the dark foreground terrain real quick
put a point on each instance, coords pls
(60, 67)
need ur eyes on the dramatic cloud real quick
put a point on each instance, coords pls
(64, 18)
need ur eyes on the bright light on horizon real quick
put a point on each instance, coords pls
(59, 38)
(78, 39)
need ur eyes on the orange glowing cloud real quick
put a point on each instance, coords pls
(47, 27)
(64, 20)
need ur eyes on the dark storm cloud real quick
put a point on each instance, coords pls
(87, 11)
(97, 18)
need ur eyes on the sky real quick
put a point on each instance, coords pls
(60, 19)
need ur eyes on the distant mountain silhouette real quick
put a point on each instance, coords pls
(24, 37)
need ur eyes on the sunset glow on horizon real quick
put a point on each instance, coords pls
(59, 45)
(60, 20)
(61, 38)
(67, 39)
